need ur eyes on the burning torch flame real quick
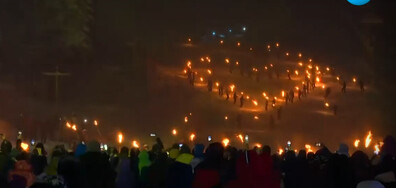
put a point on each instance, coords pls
(74, 127)
(258, 145)
(280, 151)
(185, 119)
(283, 93)
(240, 137)
(338, 78)
(297, 88)
(255, 102)
(308, 147)
(310, 66)
(217, 84)
(135, 144)
(120, 138)
(192, 136)
(225, 142)
(227, 60)
(201, 79)
(256, 117)
(189, 64)
(296, 72)
(209, 71)
(327, 104)
(202, 59)
(232, 87)
(264, 94)
(25, 146)
(96, 123)
(317, 79)
(317, 68)
(354, 80)
(356, 143)
(68, 125)
(174, 131)
(368, 139)
(301, 64)
(376, 148)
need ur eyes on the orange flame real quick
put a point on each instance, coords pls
(369, 137)
(74, 127)
(192, 137)
(356, 143)
(240, 137)
(185, 119)
(120, 138)
(280, 151)
(308, 148)
(135, 144)
(225, 142)
(25, 146)
(68, 125)
(96, 122)
(174, 132)
(255, 102)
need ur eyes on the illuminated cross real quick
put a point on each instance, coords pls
(56, 74)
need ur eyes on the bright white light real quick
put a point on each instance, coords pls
(214, 33)
(244, 28)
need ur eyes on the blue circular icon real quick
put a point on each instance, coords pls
(358, 2)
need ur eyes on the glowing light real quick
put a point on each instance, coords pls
(317, 68)
(280, 151)
(192, 137)
(189, 39)
(310, 66)
(232, 87)
(240, 137)
(297, 88)
(254, 102)
(267, 98)
(338, 78)
(221, 42)
(327, 68)
(317, 79)
(189, 64)
(299, 55)
(241, 92)
(300, 64)
(185, 119)
(217, 84)
(120, 138)
(258, 145)
(202, 59)
(238, 44)
(265, 67)
(327, 104)
(135, 144)
(174, 132)
(277, 44)
(308, 148)
(356, 143)
(225, 142)
(227, 60)
(268, 46)
(354, 80)
(310, 60)
(369, 137)
(225, 117)
(271, 65)
(237, 63)
(264, 94)
(201, 79)
(74, 127)
(250, 49)
(296, 72)
(323, 86)
(287, 53)
(25, 146)
(287, 70)
(276, 98)
(96, 122)
(68, 125)
(256, 117)
(185, 71)
(283, 93)
(247, 97)
(209, 71)
(376, 149)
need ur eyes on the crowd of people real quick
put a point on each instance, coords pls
(179, 166)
